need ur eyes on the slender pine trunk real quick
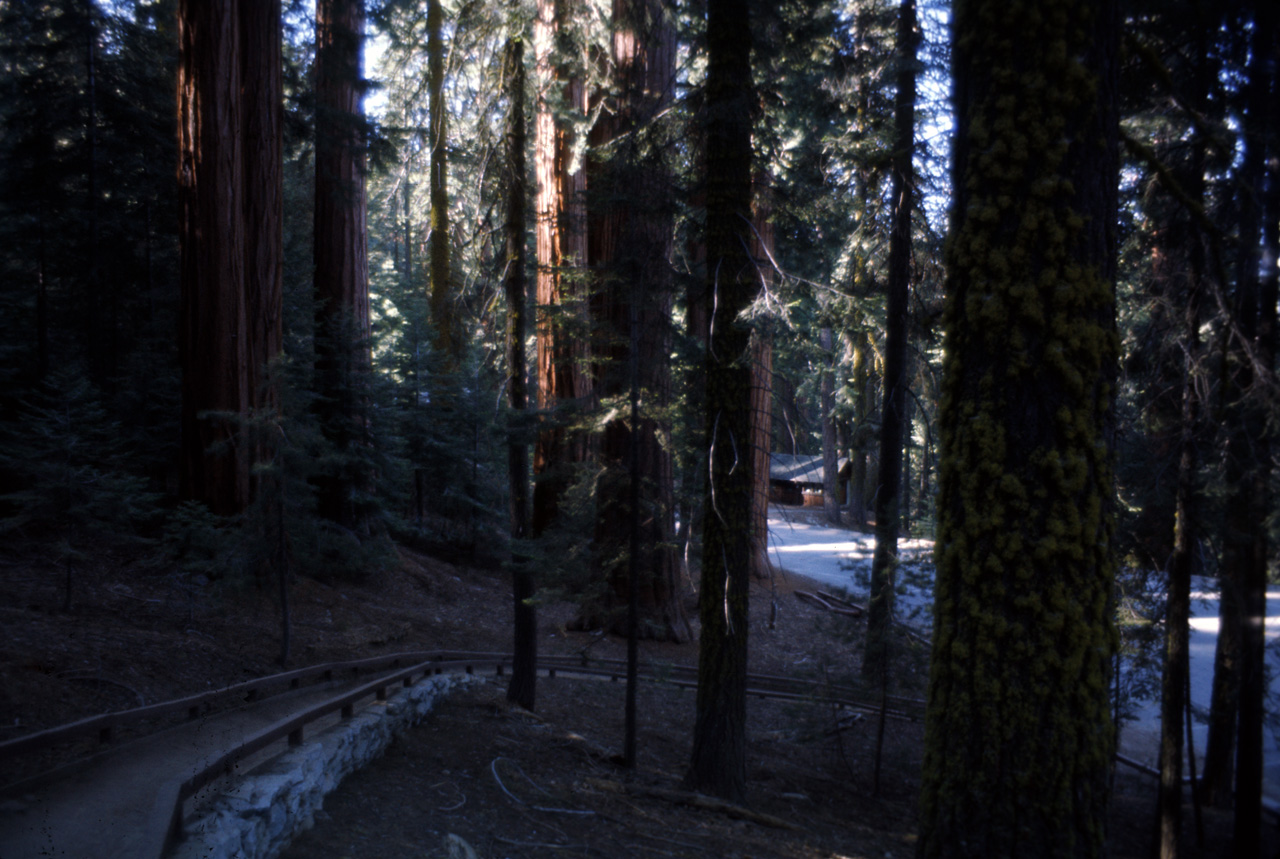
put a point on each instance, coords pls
(523, 687)
(888, 505)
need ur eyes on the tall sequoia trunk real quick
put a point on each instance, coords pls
(893, 419)
(629, 233)
(213, 332)
(1018, 735)
(342, 273)
(448, 337)
(523, 687)
(262, 112)
(718, 759)
(563, 381)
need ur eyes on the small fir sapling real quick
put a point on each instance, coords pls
(71, 473)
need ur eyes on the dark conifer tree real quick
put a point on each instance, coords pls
(1252, 368)
(893, 422)
(718, 763)
(447, 331)
(1179, 274)
(523, 686)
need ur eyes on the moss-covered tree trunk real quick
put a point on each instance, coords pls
(718, 761)
(1019, 737)
(524, 664)
(442, 298)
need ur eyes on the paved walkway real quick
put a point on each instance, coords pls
(114, 805)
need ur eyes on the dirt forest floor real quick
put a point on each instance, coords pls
(479, 775)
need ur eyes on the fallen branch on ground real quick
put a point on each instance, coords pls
(851, 611)
(696, 800)
(844, 722)
(493, 767)
(841, 601)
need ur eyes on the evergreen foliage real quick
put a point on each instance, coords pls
(71, 478)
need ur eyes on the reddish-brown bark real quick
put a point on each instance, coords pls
(628, 249)
(561, 247)
(341, 272)
(213, 341)
(261, 110)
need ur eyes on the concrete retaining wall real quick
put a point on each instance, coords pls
(271, 805)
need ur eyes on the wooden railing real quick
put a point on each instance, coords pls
(171, 803)
(400, 669)
(106, 725)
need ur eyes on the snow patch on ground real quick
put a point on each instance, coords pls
(840, 560)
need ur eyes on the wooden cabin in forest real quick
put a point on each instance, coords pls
(797, 480)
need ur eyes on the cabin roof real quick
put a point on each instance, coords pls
(786, 468)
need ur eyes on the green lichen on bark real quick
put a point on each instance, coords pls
(1018, 734)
